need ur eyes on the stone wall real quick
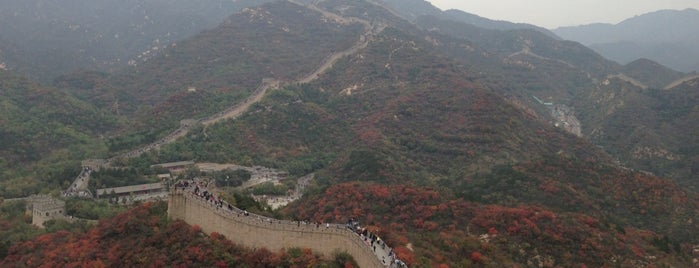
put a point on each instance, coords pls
(258, 232)
(94, 164)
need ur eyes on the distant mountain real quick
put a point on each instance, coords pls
(411, 9)
(414, 9)
(486, 23)
(669, 37)
(46, 38)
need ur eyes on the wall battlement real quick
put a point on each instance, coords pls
(45, 209)
(257, 232)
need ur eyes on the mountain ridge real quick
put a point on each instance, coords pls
(414, 9)
(99, 34)
(380, 116)
(435, 127)
(661, 36)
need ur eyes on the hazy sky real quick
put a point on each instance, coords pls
(555, 13)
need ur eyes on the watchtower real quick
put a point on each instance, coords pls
(94, 164)
(186, 123)
(47, 209)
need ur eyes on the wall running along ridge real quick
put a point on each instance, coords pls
(258, 232)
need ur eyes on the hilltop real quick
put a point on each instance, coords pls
(414, 9)
(651, 73)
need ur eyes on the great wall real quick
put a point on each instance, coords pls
(371, 29)
(257, 232)
(254, 231)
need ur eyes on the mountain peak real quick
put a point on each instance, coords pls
(664, 16)
(414, 9)
(651, 73)
(669, 37)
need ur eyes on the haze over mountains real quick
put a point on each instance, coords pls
(468, 142)
(47, 38)
(670, 37)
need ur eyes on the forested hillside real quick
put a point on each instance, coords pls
(650, 129)
(45, 133)
(399, 112)
(43, 39)
(144, 237)
(217, 68)
(444, 136)
(626, 110)
(427, 228)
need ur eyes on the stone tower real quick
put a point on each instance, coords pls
(47, 209)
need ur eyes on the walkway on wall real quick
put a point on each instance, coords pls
(187, 202)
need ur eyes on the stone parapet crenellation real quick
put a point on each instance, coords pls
(257, 231)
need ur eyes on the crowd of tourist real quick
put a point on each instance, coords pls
(79, 185)
(199, 189)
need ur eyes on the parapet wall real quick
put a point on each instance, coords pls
(258, 232)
